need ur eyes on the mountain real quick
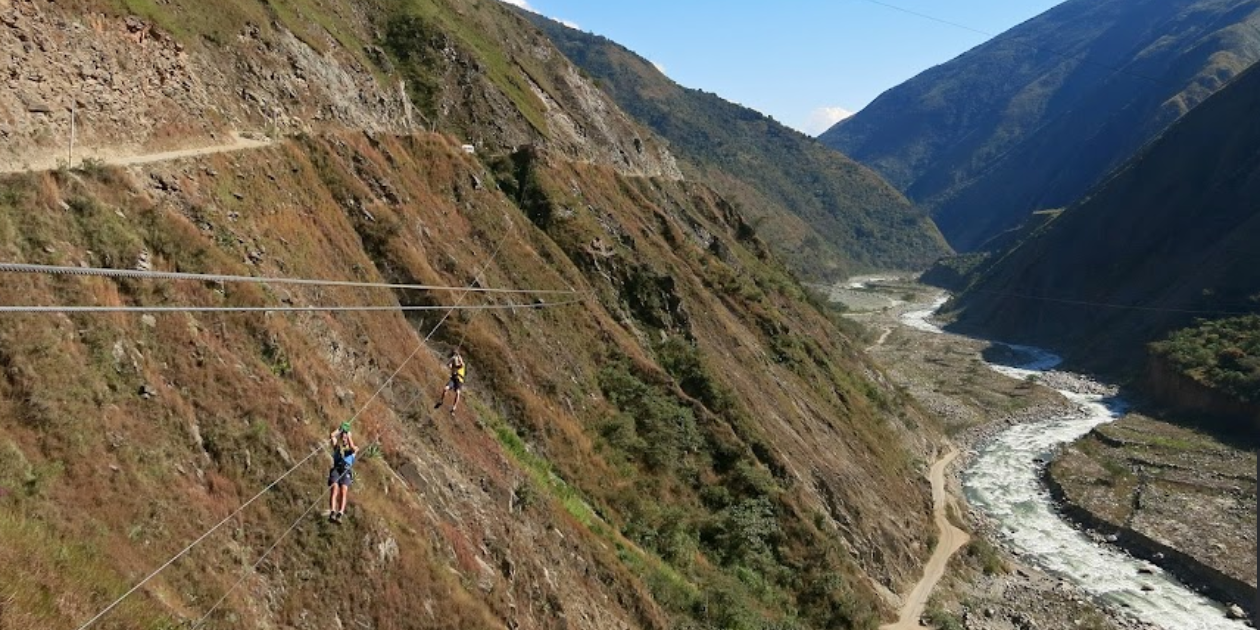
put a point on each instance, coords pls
(828, 216)
(686, 439)
(1035, 117)
(1168, 238)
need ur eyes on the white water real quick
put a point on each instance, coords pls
(918, 320)
(1003, 482)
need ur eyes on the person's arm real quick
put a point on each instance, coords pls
(332, 438)
(350, 438)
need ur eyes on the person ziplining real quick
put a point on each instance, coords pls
(457, 368)
(341, 475)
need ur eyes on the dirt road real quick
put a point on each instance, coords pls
(115, 157)
(951, 540)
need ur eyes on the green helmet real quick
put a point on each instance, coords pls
(345, 426)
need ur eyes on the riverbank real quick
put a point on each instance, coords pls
(985, 587)
(1175, 497)
(994, 587)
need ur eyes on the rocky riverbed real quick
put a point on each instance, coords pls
(990, 588)
(1182, 499)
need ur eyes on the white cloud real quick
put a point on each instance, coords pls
(522, 4)
(568, 23)
(659, 67)
(823, 118)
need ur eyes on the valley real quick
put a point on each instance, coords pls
(228, 227)
(1000, 580)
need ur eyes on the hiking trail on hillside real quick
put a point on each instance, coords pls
(117, 157)
(952, 539)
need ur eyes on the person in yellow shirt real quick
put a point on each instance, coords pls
(457, 367)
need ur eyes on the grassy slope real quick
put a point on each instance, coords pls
(1035, 117)
(696, 444)
(1174, 229)
(233, 390)
(827, 215)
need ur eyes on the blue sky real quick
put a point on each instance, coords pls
(804, 62)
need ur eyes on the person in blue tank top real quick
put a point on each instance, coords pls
(341, 475)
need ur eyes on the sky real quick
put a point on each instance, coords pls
(807, 63)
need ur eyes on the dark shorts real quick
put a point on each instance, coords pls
(455, 384)
(343, 477)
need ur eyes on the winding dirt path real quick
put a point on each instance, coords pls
(951, 540)
(882, 338)
(114, 157)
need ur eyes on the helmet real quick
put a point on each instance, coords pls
(345, 427)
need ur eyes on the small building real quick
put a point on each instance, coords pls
(469, 149)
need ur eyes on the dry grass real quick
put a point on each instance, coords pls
(773, 388)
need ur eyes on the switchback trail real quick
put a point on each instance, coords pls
(952, 539)
(114, 157)
(882, 338)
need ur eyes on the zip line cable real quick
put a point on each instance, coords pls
(265, 309)
(254, 568)
(8, 267)
(263, 557)
(318, 449)
(313, 452)
(464, 333)
(200, 538)
(932, 18)
(1132, 307)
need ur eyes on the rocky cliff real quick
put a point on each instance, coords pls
(189, 73)
(1212, 409)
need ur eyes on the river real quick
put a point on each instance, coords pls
(1003, 482)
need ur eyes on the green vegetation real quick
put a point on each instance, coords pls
(417, 46)
(1223, 354)
(728, 507)
(1135, 260)
(1031, 119)
(986, 555)
(941, 618)
(954, 272)
(828, 216)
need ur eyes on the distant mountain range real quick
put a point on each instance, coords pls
(827, 215)
(1035, 117)
(1170, 237)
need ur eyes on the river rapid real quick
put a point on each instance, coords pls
(1003, 483)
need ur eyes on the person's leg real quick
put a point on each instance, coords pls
(442, 396)
(456, 403)
(345, 490)
(332, 491)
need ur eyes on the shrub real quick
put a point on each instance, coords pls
(988, 557)
(652, 427)
(1223, 354)
(682, 360)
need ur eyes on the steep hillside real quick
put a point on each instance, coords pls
(186, 71)
(1035, 117)
(1169, 237)
(693, 444)
(828, 216)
